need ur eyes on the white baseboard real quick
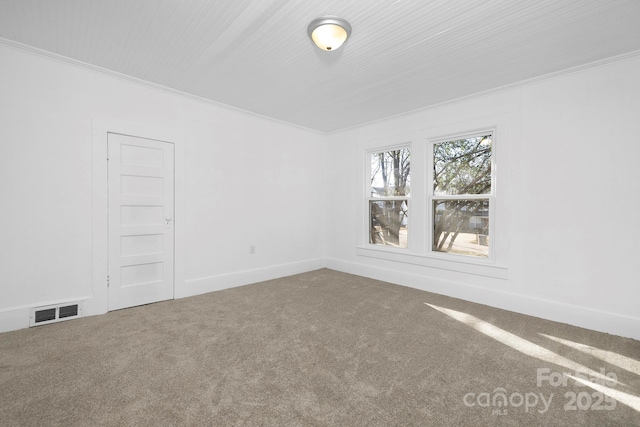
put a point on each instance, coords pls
(14, 319)
(231, 280)
(18, 317)
(585, 317)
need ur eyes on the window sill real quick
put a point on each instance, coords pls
(479, 267)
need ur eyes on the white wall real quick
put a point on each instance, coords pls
(246, 181)
(569, 232)
(573, 193)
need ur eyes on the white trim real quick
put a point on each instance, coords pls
(45, 303)
(534, 80)
(585, 317)
(473, 133)
(12, 319)
(490, 197)
(419, 250)
(598, 320)
(368, 198)
(101, 127)
(516, 85)
(18, 317)
(130, 79)
(219, 282)
(451, 262)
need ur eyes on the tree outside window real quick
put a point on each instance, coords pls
(462, 192)
(389, 197)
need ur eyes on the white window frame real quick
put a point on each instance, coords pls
(368, 198)
(420, 141)
(491, 197)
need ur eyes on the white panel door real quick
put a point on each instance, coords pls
(141, 206)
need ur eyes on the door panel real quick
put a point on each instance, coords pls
(141, 204)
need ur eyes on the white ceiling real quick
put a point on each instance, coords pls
(255, 55)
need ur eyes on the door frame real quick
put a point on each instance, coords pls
(101, 128)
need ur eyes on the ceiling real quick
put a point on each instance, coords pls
(255, 55)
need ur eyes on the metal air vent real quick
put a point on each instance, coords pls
(54, 313)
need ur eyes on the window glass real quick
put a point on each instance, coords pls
(461, 227)
(390, 173)
(462, 166)
(389, 222)
(460, 213)
(388, 200)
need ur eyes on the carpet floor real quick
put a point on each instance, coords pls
(322, 348)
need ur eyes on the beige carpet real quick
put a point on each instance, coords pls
(316, 349)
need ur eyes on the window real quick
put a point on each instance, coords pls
(458, 213)
(388, 197)
(461, 202)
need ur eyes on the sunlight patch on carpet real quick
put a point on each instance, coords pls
(518, 343)
(625, 398)
(611, 357)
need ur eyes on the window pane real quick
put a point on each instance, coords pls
(390, 173)
(388, 224)
(461, 227)
(462, 166)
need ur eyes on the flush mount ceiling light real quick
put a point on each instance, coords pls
(329, 32)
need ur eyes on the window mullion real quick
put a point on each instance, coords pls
(462, 197)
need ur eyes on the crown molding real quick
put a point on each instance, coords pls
(125, 77)
(499, 89)
(141, 82)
